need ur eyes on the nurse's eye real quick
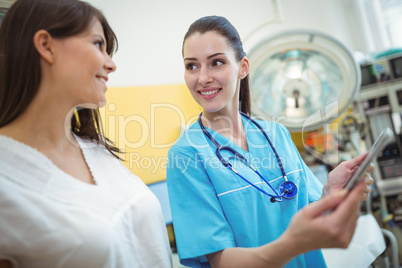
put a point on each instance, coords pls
(218, 62)
(191, 66)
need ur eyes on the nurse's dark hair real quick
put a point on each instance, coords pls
(20, 72)
(223, 27)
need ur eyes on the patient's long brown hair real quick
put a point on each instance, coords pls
(20, 71)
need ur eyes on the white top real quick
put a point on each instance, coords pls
(50, 219)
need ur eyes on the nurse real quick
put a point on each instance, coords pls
(236, 185)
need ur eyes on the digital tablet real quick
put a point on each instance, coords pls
(385, 138)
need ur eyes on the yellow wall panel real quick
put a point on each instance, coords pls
(144, 122)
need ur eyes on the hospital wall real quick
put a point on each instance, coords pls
(148, 104)
(151, 32)
(144, 122)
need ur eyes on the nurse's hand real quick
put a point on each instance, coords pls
(338, 177)
(312, 229)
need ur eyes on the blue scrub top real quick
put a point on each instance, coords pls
(214, 209)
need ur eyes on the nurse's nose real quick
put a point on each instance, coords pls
(205, 76)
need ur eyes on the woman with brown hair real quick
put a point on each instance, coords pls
(239, 191)
(65, 198)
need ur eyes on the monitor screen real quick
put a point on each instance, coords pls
(397, 67)
(367, 75)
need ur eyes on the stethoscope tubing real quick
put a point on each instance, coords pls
(277, 197)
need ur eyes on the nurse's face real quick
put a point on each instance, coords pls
(82, 66)
(212, 72)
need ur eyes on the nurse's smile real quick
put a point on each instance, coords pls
(209, 93)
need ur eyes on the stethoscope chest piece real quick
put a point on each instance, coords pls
(288, 189)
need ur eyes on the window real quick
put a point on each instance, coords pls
(381, 23)
(392, 20)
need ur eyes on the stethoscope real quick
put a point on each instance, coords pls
(287, 189)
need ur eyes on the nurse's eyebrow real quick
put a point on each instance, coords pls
(214, 55)
(209, 57)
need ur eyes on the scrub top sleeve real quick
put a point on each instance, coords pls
(313, 184)
(199, 222)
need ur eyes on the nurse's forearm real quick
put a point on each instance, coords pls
(274, 254)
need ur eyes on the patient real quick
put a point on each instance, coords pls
(66, 200)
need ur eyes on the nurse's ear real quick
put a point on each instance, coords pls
(244, 68)
(43, 43)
